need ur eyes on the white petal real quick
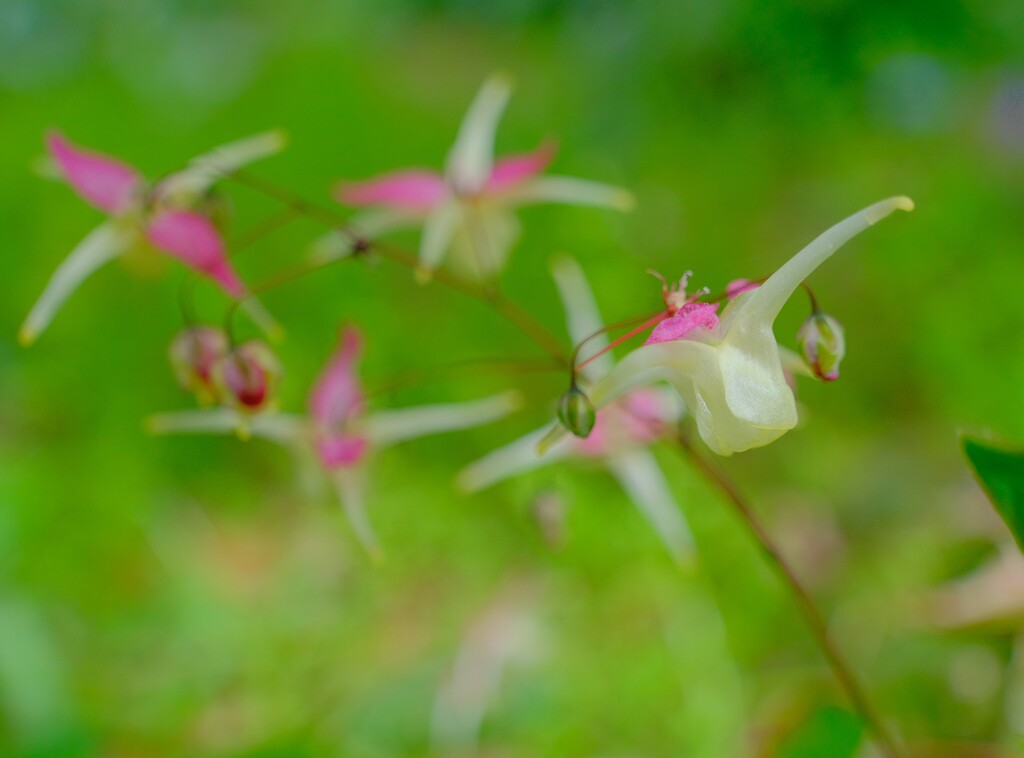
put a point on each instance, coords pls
(484, 239)
(644, 482)
(697, 371)
(204, 170)
(564, 189)
(472, 156)
(517, 457)
(764, 303)
(390, 427)
(753, 380)
(102, 244)
(351, 486)
(438, 231)
(736, 389)
(581, 314)
(281, 428)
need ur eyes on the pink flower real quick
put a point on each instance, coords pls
(160, 214)
(335, 405)
(338, 432)
(687, 320)
(620, 436)
(730, 372)
(469, 206)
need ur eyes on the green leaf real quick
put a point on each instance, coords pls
(829, 731)
(1001, 473)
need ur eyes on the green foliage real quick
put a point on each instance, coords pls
(830, 732)
(1001, 473)
(188, 597)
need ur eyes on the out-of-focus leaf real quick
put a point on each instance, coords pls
(1001, 473)
(829, 731)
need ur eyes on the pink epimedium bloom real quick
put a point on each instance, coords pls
(163, 215)
(733, 378)
(339, 433)
(469, 207)
(621, 434)
(336, 403)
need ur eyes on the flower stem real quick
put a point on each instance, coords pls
(819, 628)
(507, 309)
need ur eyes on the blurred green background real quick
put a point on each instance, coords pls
(183, 596)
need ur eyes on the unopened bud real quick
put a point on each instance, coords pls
(247, 377)
(823, 345)
(193, 353)
(576, 412)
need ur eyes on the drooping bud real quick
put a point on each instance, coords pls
(823, 345)
(576, 413)
(193, 353)
(247, 377)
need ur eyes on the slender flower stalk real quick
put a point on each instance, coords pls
(516, 316)
(815, 622)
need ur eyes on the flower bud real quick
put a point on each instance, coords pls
(576, 412)
(247, 377)
(193, 353)
(822, 344)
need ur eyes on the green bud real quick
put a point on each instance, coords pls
(576, 412)
(823, 345)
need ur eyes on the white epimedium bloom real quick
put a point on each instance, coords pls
(731, 377)
(339, 433)
(620, 437)
(469, 208)
(163, 215)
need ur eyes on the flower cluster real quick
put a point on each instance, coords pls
(719, 366)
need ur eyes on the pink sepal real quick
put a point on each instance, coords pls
(194, 240)
(101, 181)
(342, 450)
(417, 191)
(514, 169)
(689, 318)
(738, 286)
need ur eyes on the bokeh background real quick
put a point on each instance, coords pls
(185, 596)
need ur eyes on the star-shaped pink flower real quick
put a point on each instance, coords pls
(469, 207)
(161, 214)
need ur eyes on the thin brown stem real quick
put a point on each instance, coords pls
(843, 673)
(506, 308)
(460, 369)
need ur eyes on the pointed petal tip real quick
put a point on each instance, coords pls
(500, 81)
(555, 433)
(423, 274)
(277, 334)
(27, 336)
(512, 400)
(624, 200)
(467, 482)
(880, 210)
(279, 138)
